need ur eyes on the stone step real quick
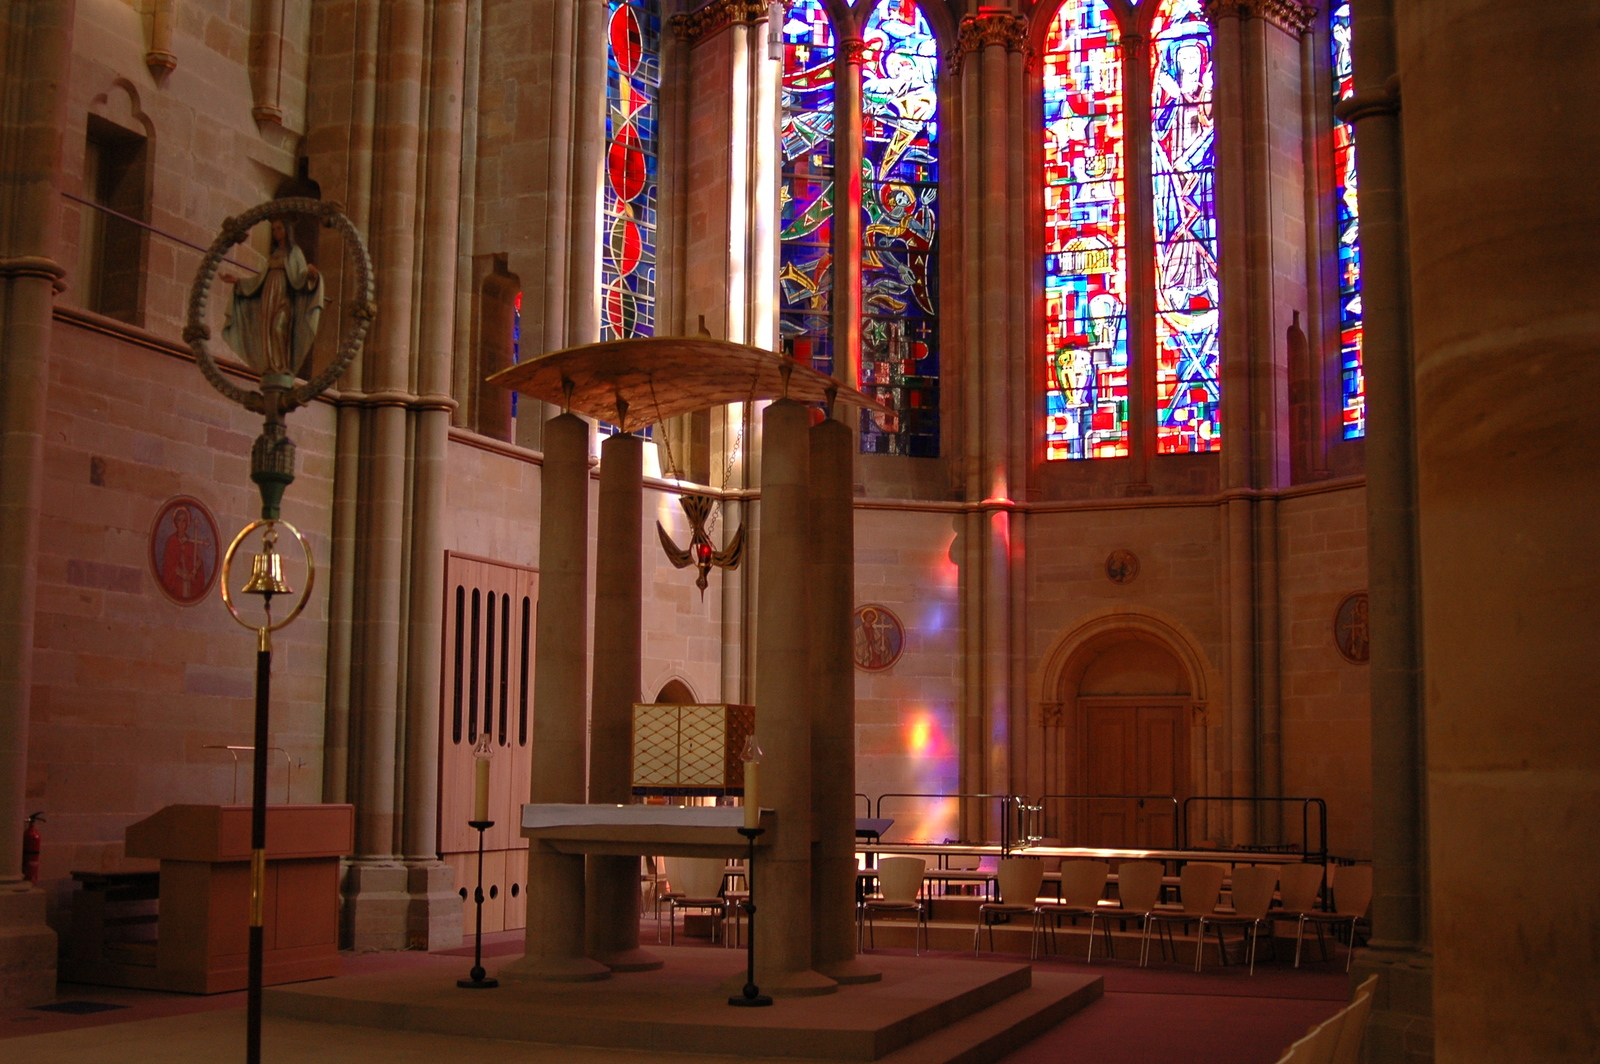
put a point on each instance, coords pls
(1005, 1026)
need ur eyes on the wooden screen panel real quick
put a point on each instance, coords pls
(1133, 746)
(1108, 757)
(486, 687)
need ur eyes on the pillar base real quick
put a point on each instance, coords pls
(553, 970)
(375, 905)
(27, 948)
(850, 972)
(1400, 1030)
(434, 915)
(629, 960)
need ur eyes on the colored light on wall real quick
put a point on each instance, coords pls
(628, 233)
(1347, 225)
(1183, 201)
(805, 271)
(1085, 275)
(900, 228)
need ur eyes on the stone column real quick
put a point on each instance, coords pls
(612, 901)
(1402, 1020)
(32, 94)
(833, 717)
(1505, 323)
(784, 706)
(847, 218)
(555, 932)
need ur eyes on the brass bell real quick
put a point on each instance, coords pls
(266, 570)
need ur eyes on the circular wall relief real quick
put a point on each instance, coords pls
(183, 550)
(1122, 566)
(1350, 632)
(878, 636)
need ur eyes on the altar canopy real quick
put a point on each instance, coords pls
(663, 377)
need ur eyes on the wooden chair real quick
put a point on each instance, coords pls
(900, 890)
(1199, 888)
(1079, 886)
(1336, 1040)
(1299, 886)
(696, 884)
(1352, 895)
(1253, 886)
(1138, 892)
(1019, 882)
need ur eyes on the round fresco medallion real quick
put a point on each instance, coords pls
(879, 637)
(1122, 566)
(184, 550)
(1350, 631)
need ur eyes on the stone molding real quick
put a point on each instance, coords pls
(991, 27)
(1360, 106)
(1291, 16)
(855, 51)
(708, 20)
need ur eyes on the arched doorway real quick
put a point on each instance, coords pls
(675, 692)
(1121, 713)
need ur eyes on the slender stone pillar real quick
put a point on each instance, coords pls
(783, 705)
(1402, 1021)
(833, 718)
(555, 932)
(32, 94)
(612, 901)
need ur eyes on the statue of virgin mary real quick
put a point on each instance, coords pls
(273, 317)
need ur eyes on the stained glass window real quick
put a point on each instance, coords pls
(628, 237)
(900, 228)
(1183, 169)
(1086, 318)
(1347, 222)
(805, 274)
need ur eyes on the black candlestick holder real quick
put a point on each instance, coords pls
(476, 980)
(752, 997)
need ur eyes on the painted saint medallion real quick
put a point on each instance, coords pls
(184, 550)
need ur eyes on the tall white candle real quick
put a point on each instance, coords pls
(480, 790)
(752, 795)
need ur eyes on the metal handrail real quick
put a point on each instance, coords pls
(1321, 853)
(866, 802)
(1177, 835)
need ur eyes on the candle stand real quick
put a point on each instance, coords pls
(476, 980)
(752, 997)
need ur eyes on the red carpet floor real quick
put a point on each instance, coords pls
(1164, 1014)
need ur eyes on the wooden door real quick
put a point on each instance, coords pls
(1133, 746)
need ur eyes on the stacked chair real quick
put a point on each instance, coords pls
(1338, 1039)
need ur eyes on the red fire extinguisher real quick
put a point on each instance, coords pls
(30, 849)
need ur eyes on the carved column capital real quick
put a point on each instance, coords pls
(855, 51)
(990, 27)
(1291, 16)
(710, 19)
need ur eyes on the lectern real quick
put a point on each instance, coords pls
(202, 931)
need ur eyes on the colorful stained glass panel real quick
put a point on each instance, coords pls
(1347, 224)
(1086, 269)
(900, 229)
(805, 272)
(1183, 202)
(628, 218)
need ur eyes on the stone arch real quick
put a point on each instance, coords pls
(676, 691)
(1129, 656)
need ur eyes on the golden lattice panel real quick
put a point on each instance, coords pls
(655, 746)
(701, 741)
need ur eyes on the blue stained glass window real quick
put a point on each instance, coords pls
(1183, 166)
(1085, 265)
(805, 273)
(900, 229)
(628, 235)
(1347, 222)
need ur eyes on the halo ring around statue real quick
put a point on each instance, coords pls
(227, 569)
(236, 230)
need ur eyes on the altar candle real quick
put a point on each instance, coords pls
(752, 796)
(480, 790)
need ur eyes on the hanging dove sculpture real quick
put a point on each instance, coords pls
(700, 553)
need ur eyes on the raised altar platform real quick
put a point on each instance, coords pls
(925, 1010)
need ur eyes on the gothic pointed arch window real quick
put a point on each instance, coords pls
(628, 217)
(900, 229)
(805, 272)
(1089, 282)
(1347, 222)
